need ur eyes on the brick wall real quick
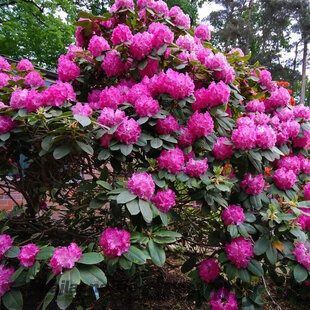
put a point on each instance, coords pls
(6, 203)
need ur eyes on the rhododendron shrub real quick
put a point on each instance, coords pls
(151, 137)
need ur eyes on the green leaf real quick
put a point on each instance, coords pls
(12, 252)
(164, 218)
(125, 263)
(126, 149)
(45, 253)
(17, 273)
(249, 217)
(146, 210)
(189, 264)
(33, 271)
(156, 143)
(137, 237)
(162, 49)
(85, 147)
(261, 245)
(157, 253)
(13, 300)
(271, 254)
(68, 283)
(93, 276)
(49, 297)
(61, 151)
(133, 207)
(167, 233)
(5, 136)
(244, 275)
(91, 258)
(300, 273)
(243, 231)
(83, 120)
(231, 271)
(135, 255)
(125, 197)
(47, 143)
(105, 185)
(255, 267)
(233, 230)
(104, 154)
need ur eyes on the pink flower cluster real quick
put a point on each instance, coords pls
(142, 45)
(80, 109)
(142, 185)
(110, 117)
(219, 61)
(4, 80)
(128, 131)
(4, 65)
(202, 32)
(5, 244)
(307, 191)
(164, 200)
(186, 137)
(110, 97)
(65, 257)
(255, 106)
(304, 219)
(167, 126)
(6, 124)
(284, 178)
(97, 45)
(5, 275)
(121, 34)
(221, 150)
(172, 160)
(201, 125)
(253, 185)
(27, 254)
(112, 64)
(233, 215)
(239, 252)
(195, 168)
(161, 34)
(179, 18)
(146, 106)
(115, 242)
(279, 98)
(34, 79)
(209, 270)
(302, 254)
(223, 300)
(67, 70)
(216, 94)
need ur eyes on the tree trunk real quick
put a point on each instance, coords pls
(249, 33)
(303, 75)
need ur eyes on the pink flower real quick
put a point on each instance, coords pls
(97, 45)
(238, 50)
(290, 163)
(223, 300)
(255, 106)
(300, 111)
(233, 215)
(164, 200)
(67, 69)
(187, 138)
(128, 131)
(142, 185)
(160, 7)
(115, 242)
(65, 257)
(244, 137)
(218, 94)
(307, 191)
(93, 98)
(24, 65)
(202, 54)
(34, 79)
(110, 98)
(110, 117)
(221, 150)
(279, 98)
(27, 254)
(105, 140)
(239, 252)
(18, 98)
(6, 124)
(56, 94)
(202, 32)
(5, 275)
(179, 18)
(302, 142)
(112, 64)
(136, 92)
(253, 185)
(161, 34)
(302, 254)
(146, 106)
(141, 45)
(304, 219)
(73, 51)
(4, 65)
(284, 179)
(172, 160)
(201, 125)
(121, 34)
(123, 4)
(80, 109)
(195, 168)
(150, 69)
(265, 137)
(5, 244)
(209, 270)
(187, 42)
(4, 80)
(167, 126)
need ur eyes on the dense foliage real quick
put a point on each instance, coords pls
(150, 137)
